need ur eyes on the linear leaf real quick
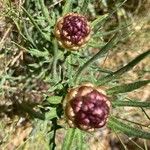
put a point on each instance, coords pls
(67, 7)
(68, 139)
(127, 87)
(127, 129)
(99, 21)
(45, 11)
(26, 32)
(124, 69)
(118, 103)
(79, 137)
(85, 6)
(103, 51)
(36, 25)
(19, 29)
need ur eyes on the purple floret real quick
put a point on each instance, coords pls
(90, 110)
(74, 29)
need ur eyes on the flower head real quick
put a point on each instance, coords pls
(72, 31)
(87, 107)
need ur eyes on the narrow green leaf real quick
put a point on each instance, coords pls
(103, 51)
(67, 7)
(19, 29)
(127, 87)
(54, 99)
(131, 64)
(36, 25)
(127, 129)
(68, 139)
(45, 11)
(97, 22)
(79, 137)
(85, 6)
(118, 103)
(26, 32)
(101, 70)
(124, 69)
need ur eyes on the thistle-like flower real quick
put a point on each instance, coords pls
(86, 107)
(72, 31)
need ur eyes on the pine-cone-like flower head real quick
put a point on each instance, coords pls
(87, 107)
(72, 31)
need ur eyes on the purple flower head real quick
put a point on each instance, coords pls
(72, 31)
(88, 108)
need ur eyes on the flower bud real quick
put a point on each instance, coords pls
(72, 31)
(86, 107)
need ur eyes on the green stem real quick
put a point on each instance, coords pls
(54, 65)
